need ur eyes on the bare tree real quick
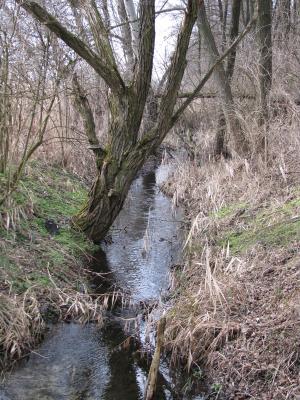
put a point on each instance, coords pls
(234, 31)
(5, 109)
(282, 23)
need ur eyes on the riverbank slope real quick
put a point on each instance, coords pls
(235, 321)
(42, 261)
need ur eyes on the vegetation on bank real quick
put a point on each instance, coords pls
(42, 261)
(235, 316)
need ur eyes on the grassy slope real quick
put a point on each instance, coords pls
(37, 269)
(236, 301)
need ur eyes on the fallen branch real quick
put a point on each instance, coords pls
(152, 376)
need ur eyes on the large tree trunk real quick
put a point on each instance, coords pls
(117, 164)
(108, 193)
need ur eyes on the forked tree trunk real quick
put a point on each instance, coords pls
(126, 152)
(108, 193)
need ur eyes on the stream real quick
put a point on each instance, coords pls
(77, 362)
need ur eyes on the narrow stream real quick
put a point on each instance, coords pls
(85, 362)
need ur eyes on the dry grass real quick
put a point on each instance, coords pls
(236, 300)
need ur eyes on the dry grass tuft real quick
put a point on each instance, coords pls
(20, 323)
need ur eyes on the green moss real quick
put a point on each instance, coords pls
(6, 262)
(28, 251)
(20, 285)
(73, 242)
(279, 234)
(231, 209)
(259, 228)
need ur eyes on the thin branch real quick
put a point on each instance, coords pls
(185, 95)
(168, 10)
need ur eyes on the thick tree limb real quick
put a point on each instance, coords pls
(134, 24)
(127, 38)
(110, 75)
(234, 31)
(100, 34)
(144, 68)
(177, 69)
(84, 108)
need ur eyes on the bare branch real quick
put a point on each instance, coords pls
(168, 10)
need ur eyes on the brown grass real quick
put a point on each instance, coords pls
(236, 300)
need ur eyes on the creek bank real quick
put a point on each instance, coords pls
(42, 261)
(235, 316)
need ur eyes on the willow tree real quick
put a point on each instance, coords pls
(127, 149)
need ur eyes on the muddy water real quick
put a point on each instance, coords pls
(76, 362)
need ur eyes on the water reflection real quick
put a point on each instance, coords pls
(142, 252)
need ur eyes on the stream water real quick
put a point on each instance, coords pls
(77, 362)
